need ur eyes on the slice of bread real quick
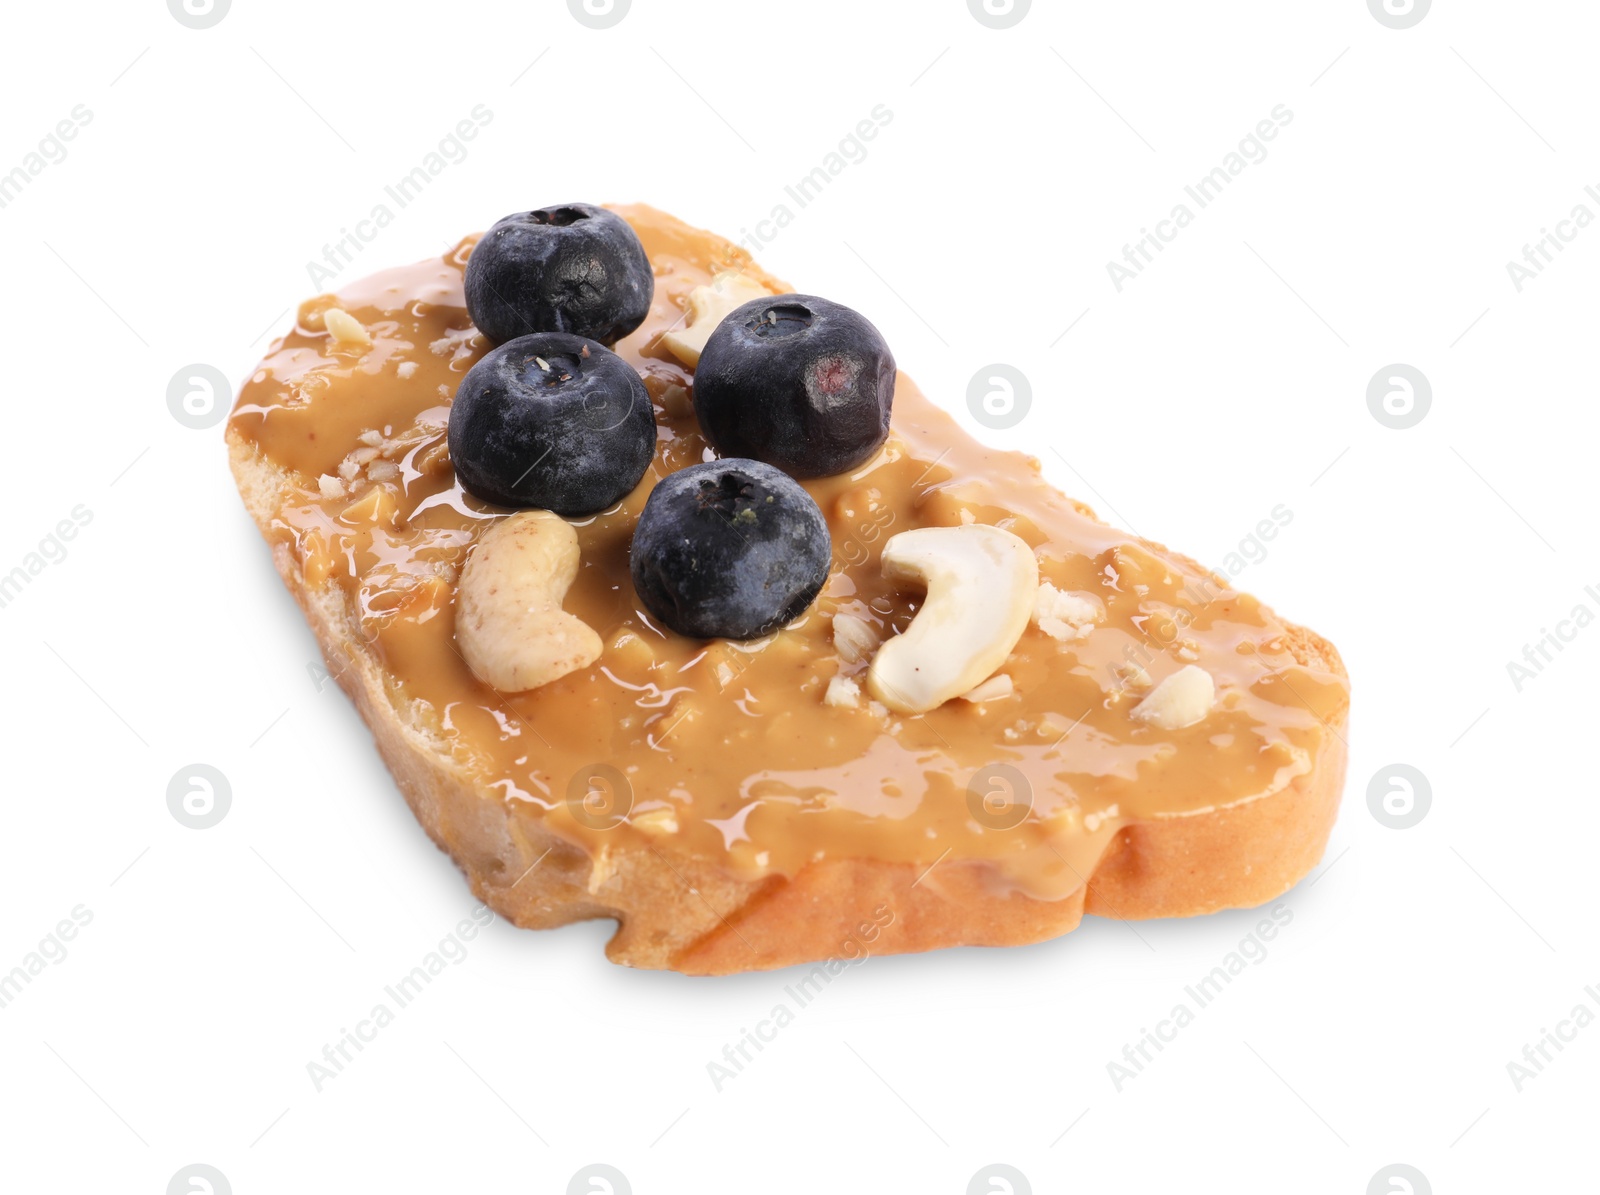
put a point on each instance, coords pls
(692, 914)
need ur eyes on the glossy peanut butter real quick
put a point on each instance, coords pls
(728, 750)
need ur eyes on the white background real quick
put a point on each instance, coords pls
(1231, 376)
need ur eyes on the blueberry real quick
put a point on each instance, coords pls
(552, 421)
(798, 382)
(575, 268)
(730, 549)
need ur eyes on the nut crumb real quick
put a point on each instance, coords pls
(843, 693)
(1064, 616)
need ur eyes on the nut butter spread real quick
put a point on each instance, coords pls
(728, 751)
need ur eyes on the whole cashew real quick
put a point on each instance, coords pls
(511, 628)
(981, 582)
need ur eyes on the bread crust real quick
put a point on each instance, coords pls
(690, 916)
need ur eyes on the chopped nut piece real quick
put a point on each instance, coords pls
(377, 506)
(1133, 676)
(1183, 699)
(383, 471)
(434, 459)
(708, 306)
(345, 328)
(405, 369)
(1064, 616)
(853, 638)
(677, 402)
(331, 487)
(843, 692)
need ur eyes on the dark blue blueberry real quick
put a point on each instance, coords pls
(552, 421)
(798, 382)
(731, 549)
(575, 268)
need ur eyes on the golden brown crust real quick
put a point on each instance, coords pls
(691, 917)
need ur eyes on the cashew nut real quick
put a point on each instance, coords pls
(708, 305)
(1182, 699)
(512, 630)
(980, 584)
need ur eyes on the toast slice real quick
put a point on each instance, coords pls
(1140, 824)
